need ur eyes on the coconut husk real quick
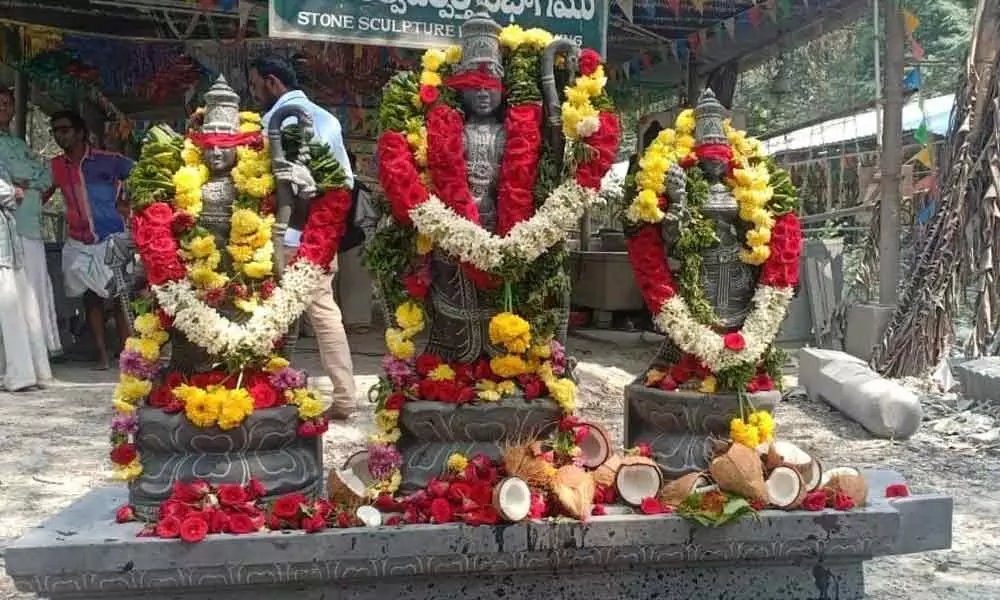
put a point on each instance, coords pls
(340, 491)
(522, 462)
(605, 474)
(508, 513)
(740, 471)
(574, 488)
(678, 490)
(853, 486)
(630, 462)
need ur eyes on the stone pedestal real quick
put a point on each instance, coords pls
(81, 554)
(866, 323)
(681, 426)
(264, 447)
(432, 431)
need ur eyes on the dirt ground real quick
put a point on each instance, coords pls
(54, 444)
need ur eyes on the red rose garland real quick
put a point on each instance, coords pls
(397, 172)
(446, 161)
(604, 142)
(782, 268)
(325, 225)
(652, 273)
(516, 192)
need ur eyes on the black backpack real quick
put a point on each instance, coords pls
(354, 235)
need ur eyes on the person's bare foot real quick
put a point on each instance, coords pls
(337, 414)
(103, 364)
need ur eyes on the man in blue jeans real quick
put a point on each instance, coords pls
(274, 84)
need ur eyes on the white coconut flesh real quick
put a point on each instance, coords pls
(353, 482)
(637, 482)
(814, 476)
(703, 487)
(514, 497)
(792, 455)
(837, 472)
(594, 449)
(357, 463)
(784, 486)
(369, 515)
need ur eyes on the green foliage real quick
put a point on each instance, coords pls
(733, 507)
(397, 101)
(697, 236)
(387, 261)
(326, 171)
(522, 73)
(152, 179)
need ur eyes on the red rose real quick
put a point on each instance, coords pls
(173, 379)
(161, 396)
(256, 489)
(344, 520)
(175, 406)
(307, 429)
(427, 363)
(169, 528)
(481, 370)
(288, 507)
(580, 435)
(441, 511)
(897, 490)
(203, 380)
(679, 374)
(815, 501)
(519, 167)
(193, 530)
(605, 142)
(481, 279)
(267, 288)
(218, 522)
(757, 505)
(124, 454)
(240, 523)
(165, 320)
(399, 176)
(232, 495)
(645, 253)
(644, 450)
(313, 523)
(395, 401)
(417, 285)
(124, 514)
(486, 515)
(158, 214)
(459, 491)
(538, 506)
(762, 382)
(842, 501)
(264, 396)
(533, 388)
(589, 61)
(734, 341)
(482, 493)
(668, 384)
(173, 508)
(183, 221)
(429, 94)
(215, 297)
(162, 242)
(651, 506)
(192, 491)
(598, 510)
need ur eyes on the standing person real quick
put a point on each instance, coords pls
(91, 182)
(25, 361)
(353, 282)
(31, 177)
(274, 84)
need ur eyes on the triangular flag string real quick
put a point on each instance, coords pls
(699, 5)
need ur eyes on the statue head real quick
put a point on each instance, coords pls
(709, 133)
(222, 116)
(480, 74)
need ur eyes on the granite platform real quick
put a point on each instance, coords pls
(82, 554)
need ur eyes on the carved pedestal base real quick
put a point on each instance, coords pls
(432, 431)
(265, 447)
(680, 426)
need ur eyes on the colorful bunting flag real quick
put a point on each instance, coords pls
(912, 80)
(921, 135)
(675, 5)
(916, 50)
(923, 157)
(785, 8)
(694, 42)
(699, 5)
(755, 15)
(628, 7)
(910, 22)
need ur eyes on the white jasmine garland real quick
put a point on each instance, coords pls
(469, 242)
(759, 329)
(219, 336)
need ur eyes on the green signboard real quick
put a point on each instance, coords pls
(431, 23)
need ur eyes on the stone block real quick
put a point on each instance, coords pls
(883, 407)
(812, 361)
(604, 281)
(82, 554)
(980, 378)
(866, 323)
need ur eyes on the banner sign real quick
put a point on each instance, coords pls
(431, 23)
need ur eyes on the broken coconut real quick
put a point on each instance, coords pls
(512, 499)
(828, 475)
(522, 462)
(369, 515)
(595, 449)
(349, 485)
(606, 473)
(678, 490)
(574, 489)
(780, 453)
(638, 478)
(785, 488)
(850, 483)
(740, 471)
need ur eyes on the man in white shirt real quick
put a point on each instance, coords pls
(274, 84)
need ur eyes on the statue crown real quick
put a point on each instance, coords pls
(481, 45)
(709, 118)
(222, 108)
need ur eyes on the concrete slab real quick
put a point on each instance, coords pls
(980, 379)
(82, 554)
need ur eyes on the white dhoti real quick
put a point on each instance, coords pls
(36, 269)
(25, 358)
(84, 268)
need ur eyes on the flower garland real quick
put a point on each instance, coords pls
(744, 360)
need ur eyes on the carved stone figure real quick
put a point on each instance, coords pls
(265, 446)
(680, 425)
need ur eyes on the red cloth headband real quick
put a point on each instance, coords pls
(227, 140)
(721, 152)
(474, 80)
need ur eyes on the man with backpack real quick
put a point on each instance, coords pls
(354, 283)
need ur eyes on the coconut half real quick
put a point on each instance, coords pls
(831, 473)
(638, 478)
(358, 463)
(740, 471)
(574, 488)
(606, 473)
(369, 515)
(512, 499)
(785, 488)
(344, 487)
(595, 449)
(781, 453)
(854, 486)
(678, 490)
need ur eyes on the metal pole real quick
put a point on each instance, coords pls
(892, 154)
(877, 49)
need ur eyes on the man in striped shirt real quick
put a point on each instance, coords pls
(91, 181)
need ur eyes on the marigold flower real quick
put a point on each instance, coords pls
(457, 463)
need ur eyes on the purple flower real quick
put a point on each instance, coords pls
(125, 424)
(558, 358)
(399, 371)
(132, 363)
(383, 459)
(288, 379)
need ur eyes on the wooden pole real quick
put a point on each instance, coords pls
(892, 154)
(15, 53)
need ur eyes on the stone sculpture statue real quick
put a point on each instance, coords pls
(681, 425)
(265, 446)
